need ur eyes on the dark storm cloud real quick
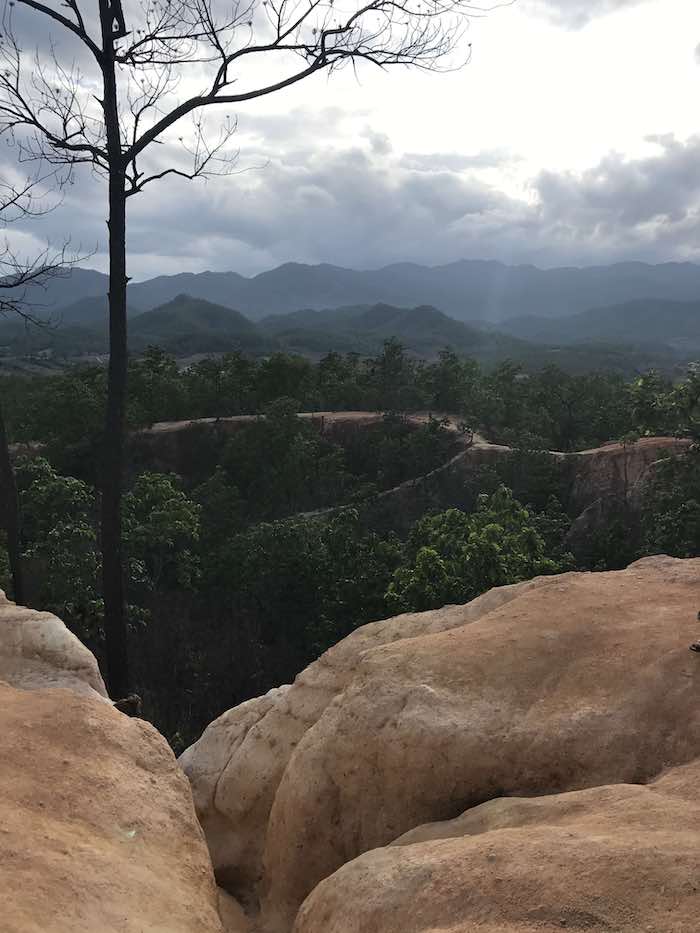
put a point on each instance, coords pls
(574, 14)
(659, 191)
(352, 206)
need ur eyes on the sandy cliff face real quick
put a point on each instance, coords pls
(618, 470)
(98, 832)
(551, 686)
(613, 472)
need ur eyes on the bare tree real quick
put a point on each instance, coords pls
(17, 276)
(148, 66)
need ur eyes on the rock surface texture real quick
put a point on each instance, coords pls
(577, 683)
(98, 832)
(38, 651)
(616, 858)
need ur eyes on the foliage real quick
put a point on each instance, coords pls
(161, 530)
(545, 410)
(60, 545)
(671, 513)
(454, 556)
(237, 576)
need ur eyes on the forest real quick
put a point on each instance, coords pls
(271, 544)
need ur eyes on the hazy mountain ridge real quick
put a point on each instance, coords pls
(189, 326)
(674, 323)
(467, 290)
(423, 330)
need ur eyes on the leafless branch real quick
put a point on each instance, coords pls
(53, 113)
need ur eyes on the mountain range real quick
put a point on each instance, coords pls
(187, 327)
(675, 324)
(468, 290)
(654, 328)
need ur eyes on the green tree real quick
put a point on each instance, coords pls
(161, 532)
(60, 542)
(453, 384)
(671, 509)
(454, 556)
(156, 390)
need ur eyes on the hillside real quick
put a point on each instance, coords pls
(673, 323)
(182, 327)
(424, 331)
(363, 328)
(467, 290)
(188, 325)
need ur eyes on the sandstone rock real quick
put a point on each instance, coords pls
(37, 650)
(97, 829)
(236, 766)
(233, 918)
(584, 681)
(619, 858)
(557, 684)
(616, 469)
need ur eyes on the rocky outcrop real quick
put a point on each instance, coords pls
(555, 685)
(621, 858)
(236, 767)
(98, 832)
(617, 469)
(592, 481)
(38, 651)
(181, 446)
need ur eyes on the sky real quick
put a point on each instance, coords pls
(572, 137)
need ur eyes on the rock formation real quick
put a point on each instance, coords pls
(550, 686)
(621, 858)
(613, 472)
(98, 833)
(37, 650)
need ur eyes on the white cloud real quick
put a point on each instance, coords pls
(574, 14)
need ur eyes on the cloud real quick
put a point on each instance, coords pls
(657, 194)
(457, 161)
(363, 205)
(575, 14)
(349, 207)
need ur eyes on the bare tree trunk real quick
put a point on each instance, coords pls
(10, 510)
(113, 441)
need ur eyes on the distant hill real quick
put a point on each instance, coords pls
(424, 331)
(363, 329)
(63, 290)
(672, 323)
(182, 327)
(187, 325)
(90, 312)
(468, 290)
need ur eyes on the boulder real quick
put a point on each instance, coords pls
(623, 858)
(236, 766)
(97, 829)
(554, 685)
(38, 651)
